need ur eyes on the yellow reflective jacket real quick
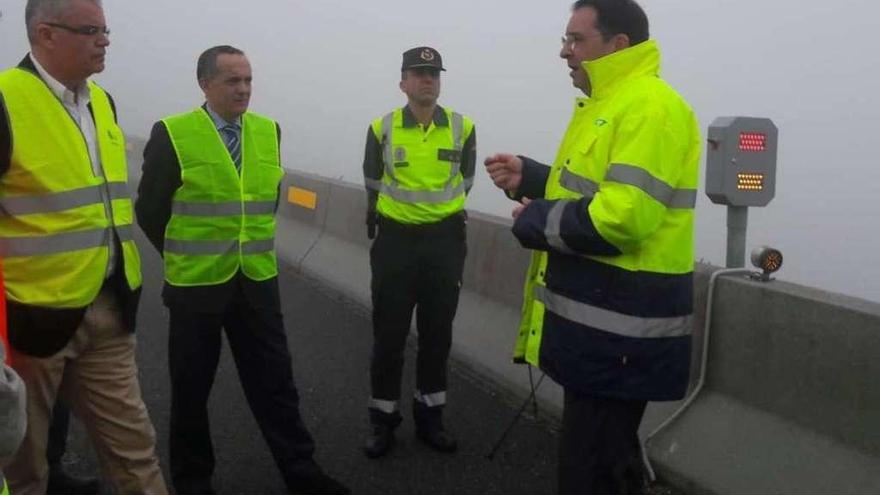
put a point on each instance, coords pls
(608, 296)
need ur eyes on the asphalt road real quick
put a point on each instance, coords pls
(330, 339)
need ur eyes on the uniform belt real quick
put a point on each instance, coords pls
(450, 224)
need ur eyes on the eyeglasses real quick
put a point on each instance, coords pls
(87, 30)
(570, 40)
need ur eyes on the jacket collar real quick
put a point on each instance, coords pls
(609, 72)
(440, 119)
(28, 65)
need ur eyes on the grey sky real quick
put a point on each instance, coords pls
(325, 68)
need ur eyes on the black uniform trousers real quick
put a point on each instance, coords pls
(414, 267)
(259, 348)
(599, 449)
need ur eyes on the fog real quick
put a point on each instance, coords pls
(325, 69)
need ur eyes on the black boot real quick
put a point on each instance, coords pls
(430, 430)
(379, 442)
(381, 439)
(61, 483)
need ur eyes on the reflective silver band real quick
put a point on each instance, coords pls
(468, 183)
(118, 190)
(613, 322)
(578, 184)
(219, 248)
(457, 130)
(657, 189)
(224, 209)
(61, 201)
(258, 247)
(125, 233)
(431, 197)
(200, 247)
(554, 227)
(431, 400)
(11, 247)
(386, 406)
(387, 150)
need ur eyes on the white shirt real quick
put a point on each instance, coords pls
(77, 105)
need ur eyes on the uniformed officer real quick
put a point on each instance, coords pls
(418, 169)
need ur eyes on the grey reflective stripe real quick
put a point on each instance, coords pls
(554, 227)
(457, 136)
(125, 233)
(431, 400)
(227, 208)
(386, 406)
(118, 190)
(200, 247)
(578, 184)
(656, 188)
(11, 247)
(178, 246)
(258, 247)
(457, 130)
(387, 151)
(611, 321)
(60, 201)
(432, 197)
(373, 184)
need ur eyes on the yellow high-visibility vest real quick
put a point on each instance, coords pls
(222, 221)
(54, 227)
(422, 180)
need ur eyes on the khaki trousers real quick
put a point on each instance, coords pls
(97, 375)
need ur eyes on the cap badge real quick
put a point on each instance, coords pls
(427, 55)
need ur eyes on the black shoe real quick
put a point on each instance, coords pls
(61, 483)
(317, 484)
(438, 439)
(379, 442)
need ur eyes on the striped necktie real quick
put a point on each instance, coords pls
(233, 144)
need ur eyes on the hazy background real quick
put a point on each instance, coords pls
(325, 69)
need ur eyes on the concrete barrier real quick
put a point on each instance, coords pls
(792, 399)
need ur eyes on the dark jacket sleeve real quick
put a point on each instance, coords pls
(563, 226)
(5, 139)
(534, 180)
(373, 169)
(469, 159)
(160, 178)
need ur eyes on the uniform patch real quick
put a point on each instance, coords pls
(449, 155)
(400, 154)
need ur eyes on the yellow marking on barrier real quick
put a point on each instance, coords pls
(302, 197)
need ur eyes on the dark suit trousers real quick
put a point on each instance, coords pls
(259, 347)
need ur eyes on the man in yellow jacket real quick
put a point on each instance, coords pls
(608, 296)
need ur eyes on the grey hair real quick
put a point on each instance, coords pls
(38, 11)
(206, 68)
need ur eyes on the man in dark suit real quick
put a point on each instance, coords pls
(71, 267)
(207, 202)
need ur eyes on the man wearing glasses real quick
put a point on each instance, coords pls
(71, 268)
(418, 168)
(608, 302)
